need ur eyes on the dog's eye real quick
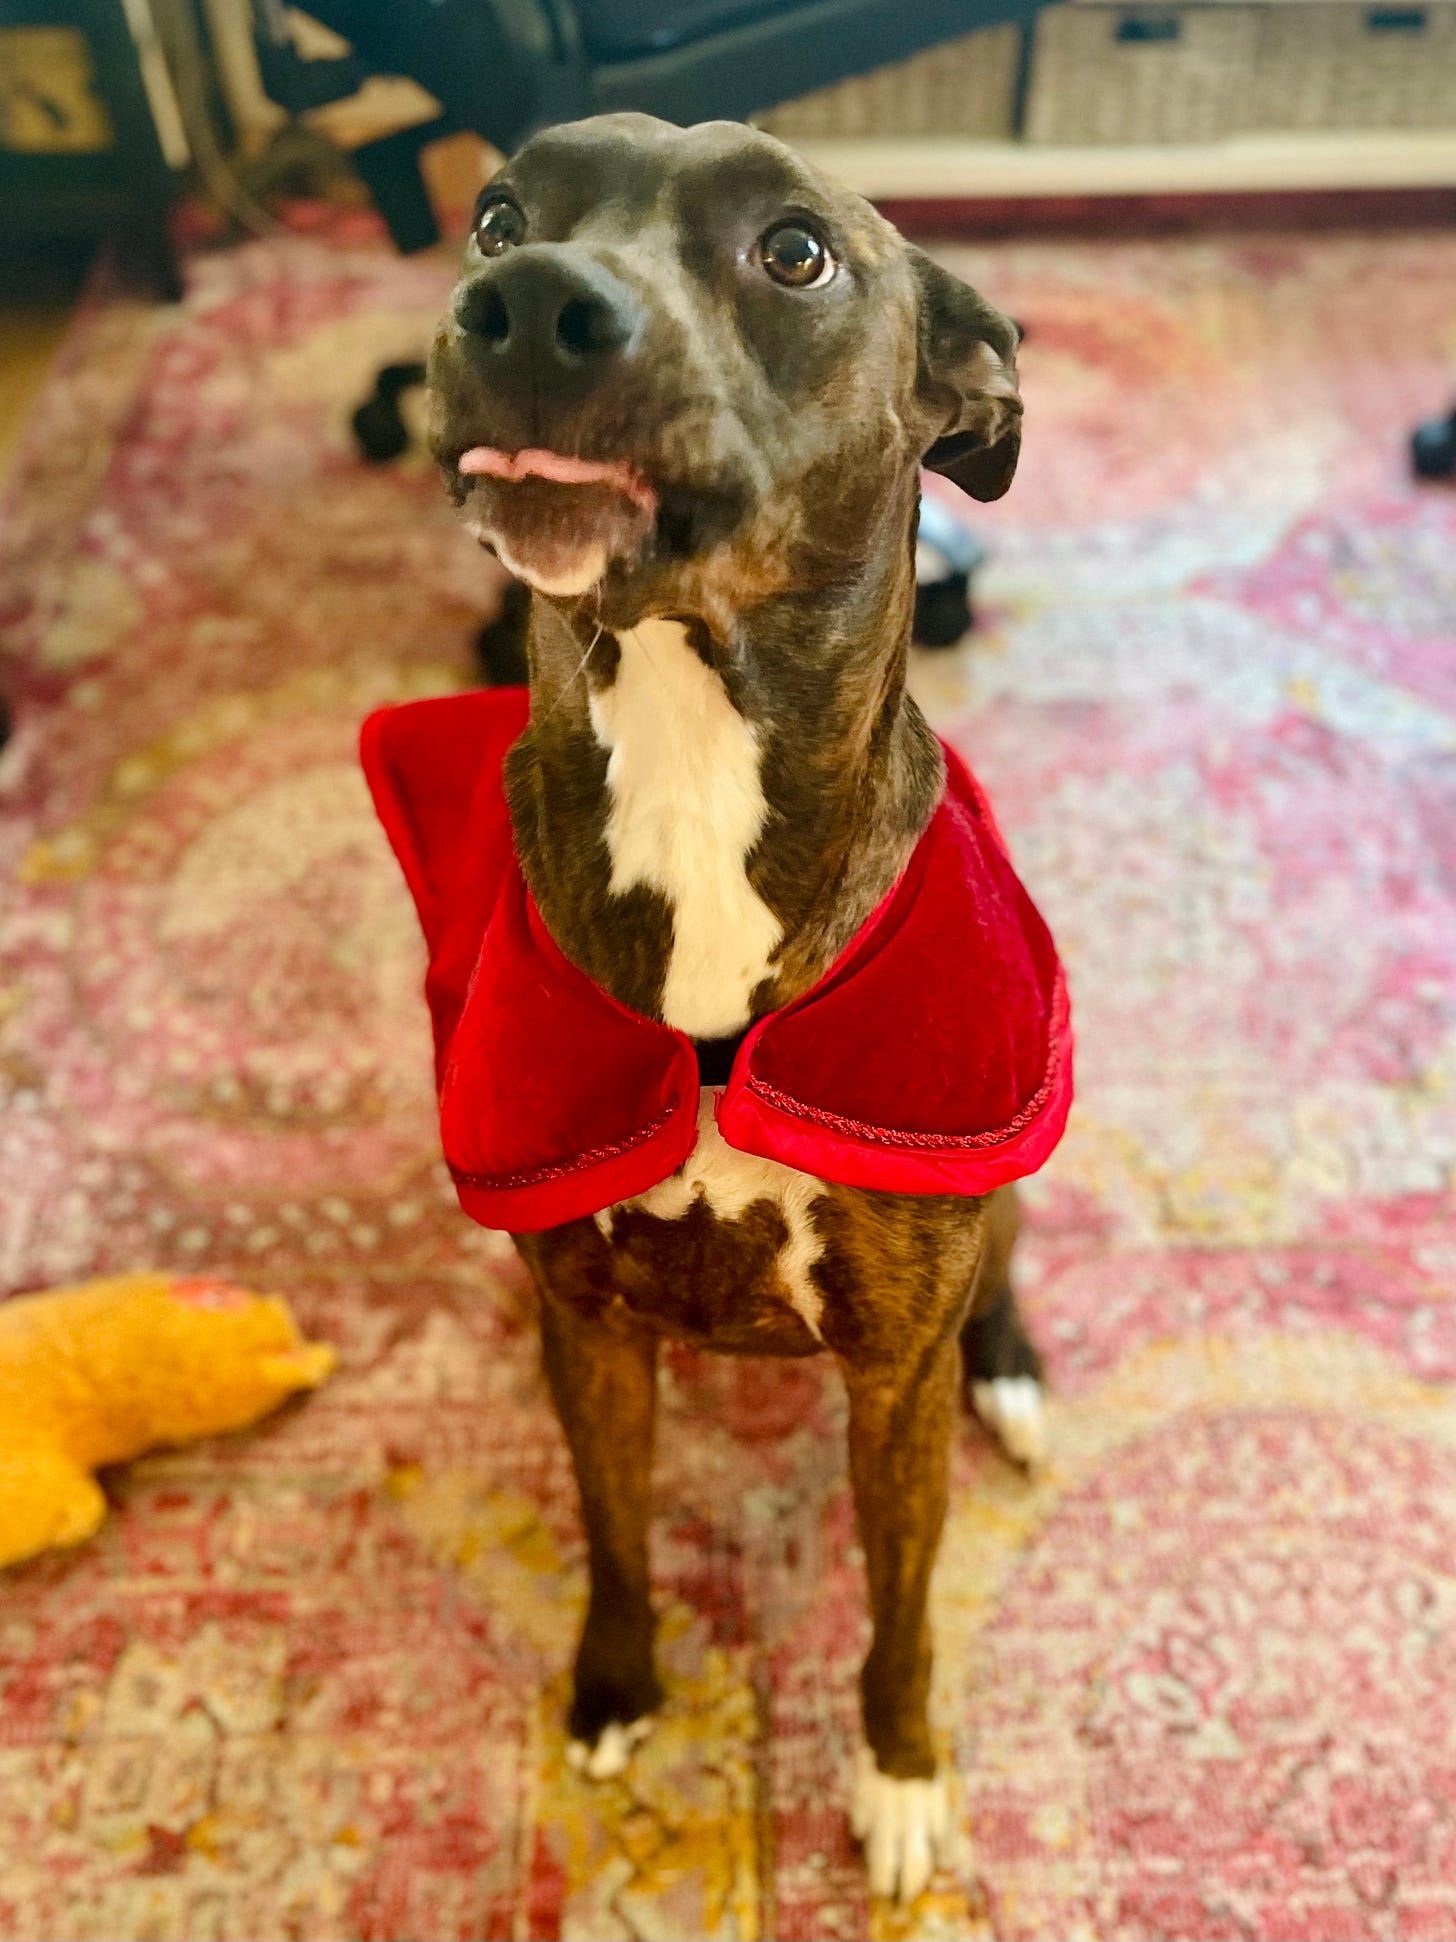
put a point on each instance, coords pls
(793, 255)
(499, 227)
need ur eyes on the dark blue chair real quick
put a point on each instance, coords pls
(501, 68)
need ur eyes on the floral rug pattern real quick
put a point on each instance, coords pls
(1196, 1678)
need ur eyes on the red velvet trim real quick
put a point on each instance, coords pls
(894, 1136)
(550, 1196)
(525, 1200)
(760, 1119)
(556, 1170)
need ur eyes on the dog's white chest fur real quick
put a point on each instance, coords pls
(731, 1182)
(684, 777)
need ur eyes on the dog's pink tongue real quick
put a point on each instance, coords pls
(486, 461)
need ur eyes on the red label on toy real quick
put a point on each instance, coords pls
(201, 1293)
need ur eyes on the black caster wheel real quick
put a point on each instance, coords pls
(500, 646)
(947, 555)
(943, 612)
(1433, 448)
(379, 428)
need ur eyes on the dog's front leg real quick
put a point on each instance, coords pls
(900, 1424)
(603, 1374)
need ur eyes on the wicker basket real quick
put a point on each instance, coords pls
(964, 87)
(1323, 65)
(1103, 74)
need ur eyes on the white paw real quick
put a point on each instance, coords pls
(903, 1826)
(1014, 1408)
(613, 1749)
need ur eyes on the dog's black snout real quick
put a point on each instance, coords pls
(552, 310)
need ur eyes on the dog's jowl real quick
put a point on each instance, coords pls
(745, 1025)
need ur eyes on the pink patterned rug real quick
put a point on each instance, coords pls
(1198, 1678)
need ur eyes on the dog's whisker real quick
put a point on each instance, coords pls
(580, 669)
(647, 654)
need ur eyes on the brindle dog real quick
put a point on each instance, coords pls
(684, 389)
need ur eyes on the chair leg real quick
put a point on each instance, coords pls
(148, 254)
(943, 611)
(1433, 448)
(391, 171)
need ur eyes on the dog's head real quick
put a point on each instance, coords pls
(682, 370)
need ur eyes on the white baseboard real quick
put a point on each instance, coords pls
(948, 168)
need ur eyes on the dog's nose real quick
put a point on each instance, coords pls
(551, 312)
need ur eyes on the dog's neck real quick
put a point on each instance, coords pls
(704, 823)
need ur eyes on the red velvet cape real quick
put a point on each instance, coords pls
(934, 1057)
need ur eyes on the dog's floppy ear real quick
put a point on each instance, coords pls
(966, 382)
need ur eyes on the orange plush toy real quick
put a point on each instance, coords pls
(97, 1374)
